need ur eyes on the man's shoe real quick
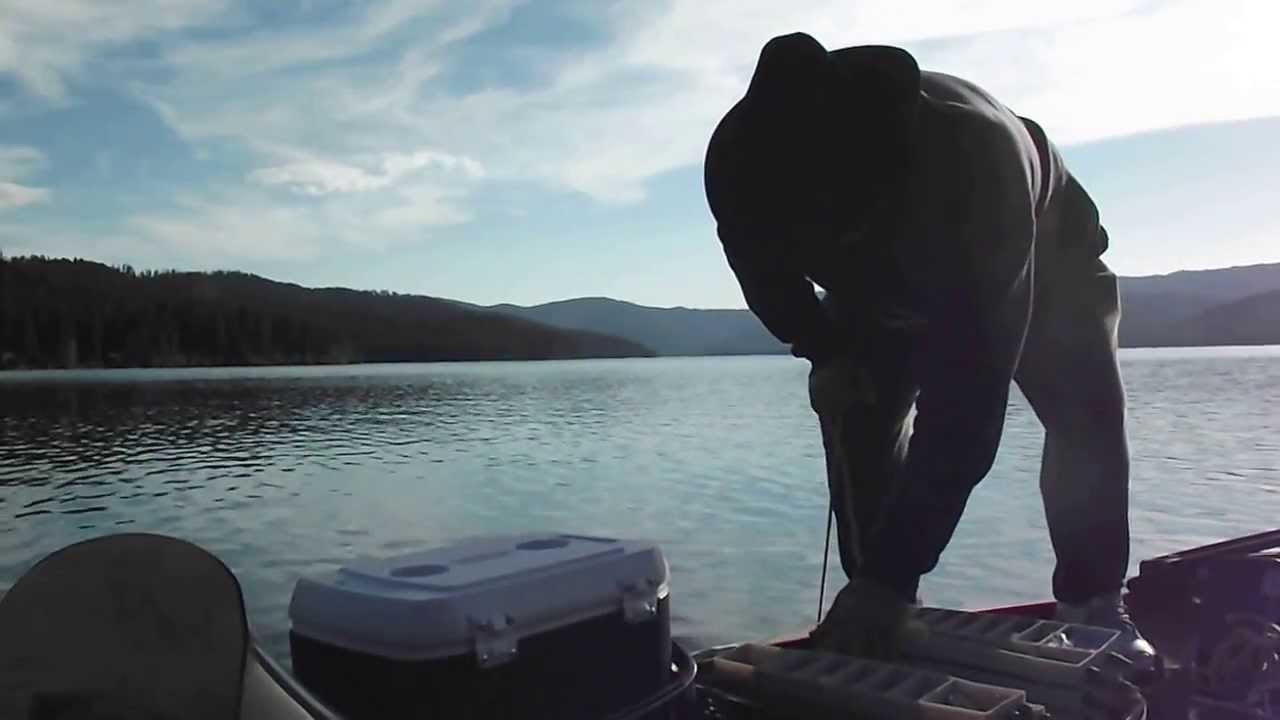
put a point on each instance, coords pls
(867, 620)
(1109, 611)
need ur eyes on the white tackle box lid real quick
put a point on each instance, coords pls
(479, 595)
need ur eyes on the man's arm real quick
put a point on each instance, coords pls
(781, 296)
(777, 291)
(979, 289)
(979, 303)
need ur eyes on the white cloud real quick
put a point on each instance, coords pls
(241, 224)
(202, 231)
(318, 178)
(397, 165)
(57, 241)
(610, 119)
(356, 120)
(725, 36)
(13, 195)
(1087, 71)
(18, 161)
(43, 43)
(1183, 63)
(269, 50)
(312, 175)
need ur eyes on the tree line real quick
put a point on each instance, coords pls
(57, 313)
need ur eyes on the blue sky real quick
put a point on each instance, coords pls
(503, 151)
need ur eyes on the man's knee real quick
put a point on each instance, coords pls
(1085, 399)
(976, 461)
(1105, 441)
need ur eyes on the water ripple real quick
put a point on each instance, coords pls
(289, 471)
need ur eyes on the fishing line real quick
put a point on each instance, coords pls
(826, 552)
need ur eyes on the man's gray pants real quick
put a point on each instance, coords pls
(1069, 374)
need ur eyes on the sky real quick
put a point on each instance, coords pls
(504, 151)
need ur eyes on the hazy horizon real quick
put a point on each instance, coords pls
(740, 306)
(511, 152)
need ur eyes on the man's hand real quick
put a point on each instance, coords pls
(838, 384)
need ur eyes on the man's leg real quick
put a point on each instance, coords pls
(1070, 375)
(918, 513)
(962, 360)
(864, 438)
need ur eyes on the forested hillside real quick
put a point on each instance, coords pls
(69, 313)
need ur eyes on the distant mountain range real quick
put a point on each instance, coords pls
(1229, 306)
(67, 313)
(666, 331)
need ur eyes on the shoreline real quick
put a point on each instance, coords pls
(1259, 348)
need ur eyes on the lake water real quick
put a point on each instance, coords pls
(288, 471)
